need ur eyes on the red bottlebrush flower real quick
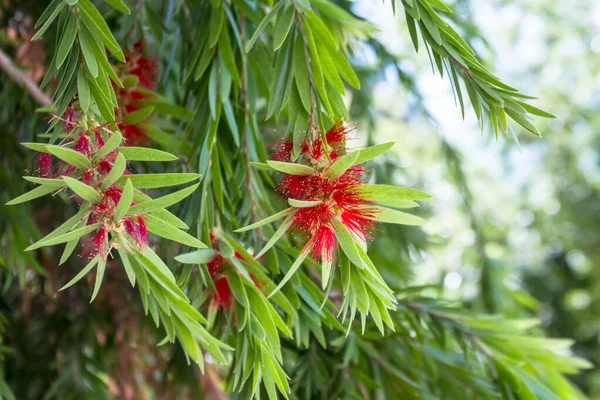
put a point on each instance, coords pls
(323, 243)
(222, 297)
(282, 150)
(87, 175)
(106, 208)
(144, 67)
(83, 144)
(338, 196)
(104, 167)
(300, 187)
(313, 148)
(214, 265)
(133, 134)
(113, 193)
(69, 117)
(105, 163)
(136, 228)
(99, 140)
(98, 245)
(44, 165)
(339, 132)
(359, 220)
(238, 255)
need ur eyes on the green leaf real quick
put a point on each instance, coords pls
(396, 217)
(88, 53)
(226, 53)
(282, 28)
(138, 116)
(70, 156)
(115, 173)
(291, 168)
(124, 201)
(82, 273)
(303, 203)
(67, 39)
(305, 252)
(301, 73)
(325, 269)
(83, 90)
(263, 24)
(277, 235)
(54, 13)
(372, 152)
(126, 261)
(99, 276)
(265, 221)
(347, 243)
(112, 143)
(237, 287)
(389, 192)
(168, 231)
(77, 233)
(146, 154)
(202, 256)
(215, 24)
(439, 4)
(398, 203)
(523, 121)
(534, 110)
(97, 23)
(55, 183)
(412, 29)
(119, 5)
(162, 202)
(32, 194)
(40, 147)
(82, 190)
(340, 165)
(153, 181)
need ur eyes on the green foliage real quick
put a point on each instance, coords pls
(231, 72)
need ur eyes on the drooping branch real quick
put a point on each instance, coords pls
(23, 80)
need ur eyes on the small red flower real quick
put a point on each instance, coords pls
(133, 133)
(97, 245)
(82, 144)
(214, 265)
(339, 199)
(144, 67)
(105, 209)
(282, 150)
(312, 147)
(87, 175)
(99, 140)
(222, 296)
(69, 118)
(44, 165)
(136, 228)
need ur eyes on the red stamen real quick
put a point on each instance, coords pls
(222, 297)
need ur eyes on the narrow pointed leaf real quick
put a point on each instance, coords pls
(82, 190)
(81, 273)
(168, 231)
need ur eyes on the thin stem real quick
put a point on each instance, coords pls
(23, 80)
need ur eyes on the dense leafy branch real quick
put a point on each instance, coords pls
(253, 301)
(448, 51)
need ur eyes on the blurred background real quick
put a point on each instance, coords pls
(514, 223)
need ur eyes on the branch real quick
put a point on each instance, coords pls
(23, 80)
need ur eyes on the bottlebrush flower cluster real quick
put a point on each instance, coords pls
(88, 138)
(131, 98)
(334, 197)
(216, 269)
